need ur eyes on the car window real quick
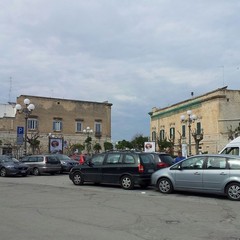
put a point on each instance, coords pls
(193, 163)
(38, 159)
(129, 159)
(231, 151)
(113, 158)
(216, 163)
(167, 159)
(234, 163)
(147, 158)
(97, 160)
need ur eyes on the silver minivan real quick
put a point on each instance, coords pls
(208, 173)
(44, 163)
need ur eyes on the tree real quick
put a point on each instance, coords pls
(97, 147)
(108, 146)
(123, 145)
(34, 142)
(138, 141)
(166, 146)
(88, 143)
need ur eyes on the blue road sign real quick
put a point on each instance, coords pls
(20, 132)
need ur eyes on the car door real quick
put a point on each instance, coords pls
(189, 174)
(112, 167)
(93, 171)
(215, 174)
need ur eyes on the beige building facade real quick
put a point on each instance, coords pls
(70, 121)
(212, 117)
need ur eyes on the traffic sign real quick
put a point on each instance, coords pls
(20, 132)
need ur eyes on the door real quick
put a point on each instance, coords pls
(93, 172)
(190, 174)
(215, 174)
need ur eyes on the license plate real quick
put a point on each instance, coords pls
(23, 171)
(150, 170)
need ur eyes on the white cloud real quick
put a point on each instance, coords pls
(136, 54)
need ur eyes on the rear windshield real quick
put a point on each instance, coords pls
(167, 159)
(146, 158)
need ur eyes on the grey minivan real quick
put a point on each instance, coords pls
(208, 173)
(44, 163)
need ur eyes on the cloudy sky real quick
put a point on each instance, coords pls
(136, 54)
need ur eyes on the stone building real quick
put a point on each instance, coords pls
(210, 124)
(67, 121)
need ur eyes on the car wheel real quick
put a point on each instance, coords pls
(77, 178)
(165, 186)
(36, 172)
(233, 191)
(127, 182)
(3, 172)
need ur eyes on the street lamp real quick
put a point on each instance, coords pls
(26, 110)
(190, 119)
(88, 131)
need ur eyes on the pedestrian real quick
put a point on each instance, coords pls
(179, 158)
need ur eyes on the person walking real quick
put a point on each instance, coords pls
(179, 158)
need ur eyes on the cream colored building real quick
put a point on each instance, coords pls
(216, 114)
(69, 120)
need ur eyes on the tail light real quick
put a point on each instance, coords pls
(162, 165)
(140, 168)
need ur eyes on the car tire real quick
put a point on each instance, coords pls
(233, 191)
(127, 182)
(36, 172)
(3, 172)
(77, 178)
(165, 186)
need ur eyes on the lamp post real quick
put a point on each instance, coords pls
(26, 110)
(88, 131)
(189, 120)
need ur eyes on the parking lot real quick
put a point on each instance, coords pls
(51, 207)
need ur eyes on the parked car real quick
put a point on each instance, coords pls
(10, 166)
(124, 168)
(66, 162)
(162, 160)
(207, 173)
(45, 163)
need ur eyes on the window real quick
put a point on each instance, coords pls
(78, 125)
(183, 131)
(216, 163)
(97, 160)
(231, 151)
(172, 133)
(32, 124)
(57, 125)
(98, 127)
(129, 159)
(199, 128)
(153, 136)
(162, 135)
(234, 163)
(113, 158)
(193, 163)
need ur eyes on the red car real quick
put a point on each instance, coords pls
(81, 158)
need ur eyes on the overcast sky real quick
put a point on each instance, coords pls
(136, 54)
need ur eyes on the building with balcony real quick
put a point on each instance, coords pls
(209, 122)
(67, 121)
